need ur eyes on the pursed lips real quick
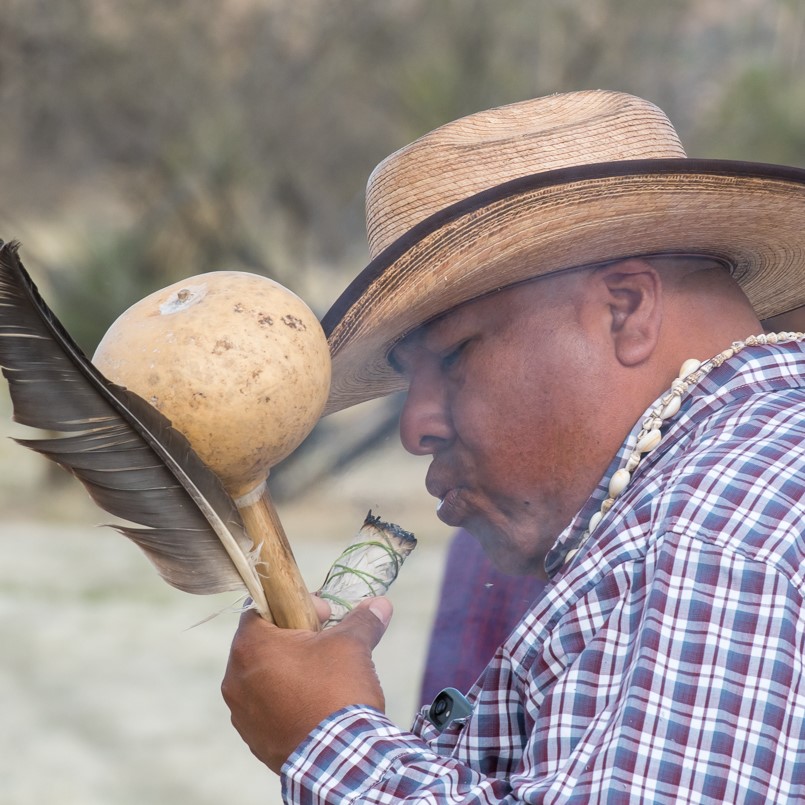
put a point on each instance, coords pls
(436, 486)
(444, 489)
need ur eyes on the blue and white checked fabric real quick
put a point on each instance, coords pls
(664, 664)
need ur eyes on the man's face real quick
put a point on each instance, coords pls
(502, 396)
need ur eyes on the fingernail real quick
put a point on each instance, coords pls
(381, 611)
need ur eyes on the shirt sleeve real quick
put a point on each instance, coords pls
(358, 755)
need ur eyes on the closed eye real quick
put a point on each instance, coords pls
(449, 360)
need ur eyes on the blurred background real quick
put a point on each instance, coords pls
(143, 142)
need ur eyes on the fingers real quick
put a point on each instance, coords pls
(321, 607)
(323, 610)
(280, 683)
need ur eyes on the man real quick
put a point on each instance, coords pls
(573, 307)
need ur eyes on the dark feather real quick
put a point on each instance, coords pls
(125, 452)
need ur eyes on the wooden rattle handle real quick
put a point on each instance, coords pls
(288, 597)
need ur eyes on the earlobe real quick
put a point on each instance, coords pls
(634, 297)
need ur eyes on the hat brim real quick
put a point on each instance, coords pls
(749, 215)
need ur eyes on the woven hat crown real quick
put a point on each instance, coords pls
(483, 150)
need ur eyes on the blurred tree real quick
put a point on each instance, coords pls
(242, 133)
(144, 141)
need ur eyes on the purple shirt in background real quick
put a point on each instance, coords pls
(478, 608)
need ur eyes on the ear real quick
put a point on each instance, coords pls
(633, 293)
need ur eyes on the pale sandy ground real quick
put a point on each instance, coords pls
(107, 697)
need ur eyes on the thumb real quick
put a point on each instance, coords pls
(368, 621)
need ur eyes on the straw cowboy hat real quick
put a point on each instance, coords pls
(541, 186)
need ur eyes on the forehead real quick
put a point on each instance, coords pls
(498, 309)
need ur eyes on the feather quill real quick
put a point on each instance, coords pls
(133, 463)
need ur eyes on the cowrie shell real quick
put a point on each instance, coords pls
(671, 408)
(689, 367)
(618, 482)
(648, 442)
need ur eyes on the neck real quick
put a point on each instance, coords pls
(651, 434)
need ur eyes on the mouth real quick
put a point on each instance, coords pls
(449, 509)
(449, 494)
(437, 487)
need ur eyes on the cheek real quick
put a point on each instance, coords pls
(502, 431)
(522, 427)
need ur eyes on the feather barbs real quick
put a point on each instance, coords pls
(133, 463)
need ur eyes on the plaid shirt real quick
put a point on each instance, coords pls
(663, 664)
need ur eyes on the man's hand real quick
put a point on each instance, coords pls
(280, 683)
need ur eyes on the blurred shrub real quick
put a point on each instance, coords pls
(144, 141)
(166, 139)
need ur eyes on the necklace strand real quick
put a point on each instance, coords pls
(650, 436)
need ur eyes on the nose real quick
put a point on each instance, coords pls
(425, 423)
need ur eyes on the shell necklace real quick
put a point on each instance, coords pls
(650, 436)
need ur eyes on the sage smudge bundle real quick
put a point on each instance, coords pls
(367, 567)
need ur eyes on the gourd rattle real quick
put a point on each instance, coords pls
(241, 367)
